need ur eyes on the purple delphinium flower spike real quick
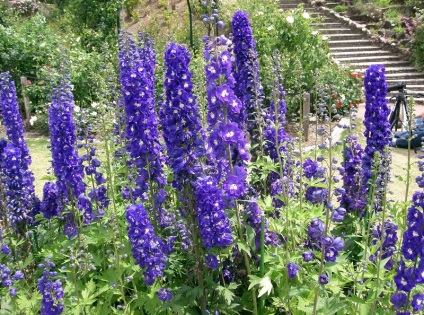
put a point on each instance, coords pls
(180, 119)
(214, 224)
(9, 109)
(312, 170)
(148, 249)
(63, 141)
(143, 143)
(389, 244)
(354, 190)
(225, 124)
(377, 126)
(51, 290)
(248, 87)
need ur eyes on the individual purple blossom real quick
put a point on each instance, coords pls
(214, 225)
(212, 261)
(399, 300)
(307, 256)
(164, 295)
(417, 302)
(405, 278)
(377, 126)
(51, 290)
(323, 279)
(5, 249)
(338, 214)
(292, 269)
(147, 248)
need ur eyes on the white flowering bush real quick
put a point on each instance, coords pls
(24, 7)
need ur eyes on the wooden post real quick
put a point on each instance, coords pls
(306, 109)
(24, 83)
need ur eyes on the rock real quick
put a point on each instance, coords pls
(388, 24)
(319, 3)
(376, 14)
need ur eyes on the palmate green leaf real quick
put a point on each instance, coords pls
(265, 286)
(242, 246)
(227, 293)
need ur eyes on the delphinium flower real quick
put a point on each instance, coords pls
(214, 224)
(389, 244)
(164, 295)
(292, 270)
(352, 197)
(51, 290)
(312, 171)
(17, 203)
(143, 143)
(8, 280)
(226, 134)
(180, 119)
(377, 126)
(66, 166)
(410, 270)
(147, 248)
(318, 241)
(254, 215)
(9, 109)
(97, 195)
(51, 204)
(248, 87)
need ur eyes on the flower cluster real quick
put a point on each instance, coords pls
(17, 202)
(227, 137)
(254, 220)
(9, 107)
(214, 224)
(51, 290)
(312, 171)
(318, 240)
(353, 186)
(8, 280)
(182, 129)
(24, 7)
(248, 87)
(143, 143)
(388, 246)
(407, 278)
(147, 248)
(377, 126)
(65, 159)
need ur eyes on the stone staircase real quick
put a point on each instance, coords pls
(349, 46)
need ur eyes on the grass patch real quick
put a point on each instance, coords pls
(41, 163)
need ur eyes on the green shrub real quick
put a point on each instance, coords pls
(341, 8)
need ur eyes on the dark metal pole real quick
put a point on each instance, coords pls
(191, 25)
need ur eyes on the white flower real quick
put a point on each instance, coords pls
(314, 33)
(77, 109)
(324, 37)
(94, 105)
(290, 19)
(305, 15)
(342, 97)
(32, 120)
(259, 13)
(94, 114)
(270, 28)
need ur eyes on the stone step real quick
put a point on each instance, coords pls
(370, 58)
(348, 53)
(344, 36)
(337, 30)
(327, 25)
(402, 76)
(408, 81)
(369, 48)
(349, 42)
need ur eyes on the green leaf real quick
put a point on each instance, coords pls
(265, 286)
